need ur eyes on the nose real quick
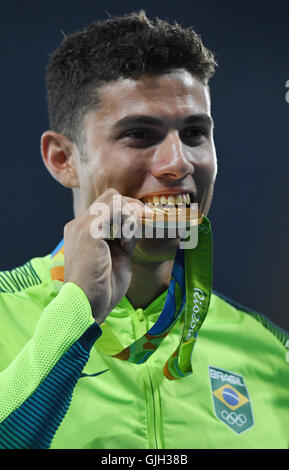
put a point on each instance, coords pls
(171, 159)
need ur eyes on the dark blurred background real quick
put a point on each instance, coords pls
(249, 214)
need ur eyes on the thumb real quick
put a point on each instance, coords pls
(128, 245)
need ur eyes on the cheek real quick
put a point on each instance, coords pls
(204, 176)
(210, 167)
(128, 178)
(123, 174)
(205, 163)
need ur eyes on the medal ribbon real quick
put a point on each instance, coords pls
(192, 272)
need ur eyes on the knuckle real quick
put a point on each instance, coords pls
(111, 191)
(69, 226)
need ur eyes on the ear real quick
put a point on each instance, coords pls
(59, 156)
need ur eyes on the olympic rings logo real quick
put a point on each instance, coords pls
(233, 418)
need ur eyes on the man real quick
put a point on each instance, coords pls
(98, 355)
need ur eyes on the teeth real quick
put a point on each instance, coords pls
(171, 200)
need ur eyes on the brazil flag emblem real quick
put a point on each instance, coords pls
(231, 400)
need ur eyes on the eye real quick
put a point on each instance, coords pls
(138, 134)
(140, 137)
(193, 135)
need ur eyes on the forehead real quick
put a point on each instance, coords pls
(167, 95)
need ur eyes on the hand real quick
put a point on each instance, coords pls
(100, 267)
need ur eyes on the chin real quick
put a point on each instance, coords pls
(156, 249)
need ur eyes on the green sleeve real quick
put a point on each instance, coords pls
(36, 388)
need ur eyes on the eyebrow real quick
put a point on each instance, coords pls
(149, 120)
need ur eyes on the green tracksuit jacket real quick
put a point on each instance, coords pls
(59, 389)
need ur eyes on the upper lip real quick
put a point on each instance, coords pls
(169, 192)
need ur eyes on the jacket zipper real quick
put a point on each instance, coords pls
(151, 392)
(154, 421)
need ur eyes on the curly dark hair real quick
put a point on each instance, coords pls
(118, 47)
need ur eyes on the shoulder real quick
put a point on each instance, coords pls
(25, 291)
(230, 311)
(30, 280)
(21, 277)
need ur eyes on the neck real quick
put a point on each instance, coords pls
(149, 280)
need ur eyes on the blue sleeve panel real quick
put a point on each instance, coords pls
(34, 424)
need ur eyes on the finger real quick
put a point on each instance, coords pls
(128, 245)
(116, 213)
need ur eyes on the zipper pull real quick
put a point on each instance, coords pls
(140, 314)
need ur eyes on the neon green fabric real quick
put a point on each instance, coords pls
(63, 321)
(196, 286)
(133, 405)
